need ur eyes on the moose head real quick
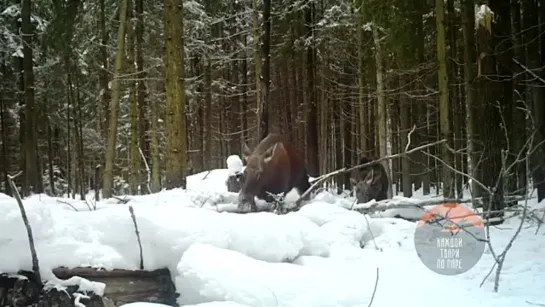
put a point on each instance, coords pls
(258, 164)
(367, 189)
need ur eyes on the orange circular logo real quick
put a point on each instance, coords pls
(450, 239)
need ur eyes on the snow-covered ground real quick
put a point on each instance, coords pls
(313, 257)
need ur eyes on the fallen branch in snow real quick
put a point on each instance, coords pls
(35, 264)
(68, 204)
(123, 200)
(78, 297)
(345, 170)
(374, 291)
(206, 175)
(131, 210)
(93, 206)
(374, 206)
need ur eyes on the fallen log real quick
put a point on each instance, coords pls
(23, 289)
(127, 286)
(88, 286)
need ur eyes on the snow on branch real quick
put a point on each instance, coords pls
(484, 16)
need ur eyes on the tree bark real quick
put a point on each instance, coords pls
(313, 159)
(176, 138)
(107, 185)
(32, 177)
(444, 105)
(381, 105)
(134, 152)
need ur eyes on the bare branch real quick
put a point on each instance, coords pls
(131, 210)
(374, 291)
(345, 170)
(148, 171)
(33, 254)
(409, 138)
(68, 204)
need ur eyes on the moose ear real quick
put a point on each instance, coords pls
(269, 154)
(246, 151)
(369, 178)
(353, 181)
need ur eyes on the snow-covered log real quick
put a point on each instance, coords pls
(88, 287)
(126, 286)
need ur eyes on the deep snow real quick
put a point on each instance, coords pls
(312, 257)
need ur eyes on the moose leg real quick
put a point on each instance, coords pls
(303, 185)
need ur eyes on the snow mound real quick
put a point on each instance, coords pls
(234, 165)
(207, 273)
(106, 238)
(344, 230)
(210, 304)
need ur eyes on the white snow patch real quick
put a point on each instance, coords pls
(210, 304)
(84, 285)
(237, 259)
(483, 12)
(202, 277)
(234, 165)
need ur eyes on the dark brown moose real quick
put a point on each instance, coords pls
(374, 182)
(275, 166)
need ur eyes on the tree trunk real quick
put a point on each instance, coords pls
(257, 63)
(103, 77)
(3, 128)
(143, 123)
(79, 140)
(32, 178)
(470, 56)
(454, 101)
(491, 137)
(444, 106)
(519, 97)
(405, 128)
(155, 159)
(176, 138)
(381, 105)
(313, 160)
(503, 54)
(266, 73)
(107, 185)
(361, 79)
(134, 152)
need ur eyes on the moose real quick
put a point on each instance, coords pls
(374, 184)
(274, 166)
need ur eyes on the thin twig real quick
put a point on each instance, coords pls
(148, 171)
(33, 254)
(131, 210)
(68, 204)
(206, 175)
(374, 291)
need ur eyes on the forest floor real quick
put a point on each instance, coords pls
(312, 257)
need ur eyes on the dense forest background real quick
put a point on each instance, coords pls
(133, 95)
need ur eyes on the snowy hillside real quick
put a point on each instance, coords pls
(313, 257)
